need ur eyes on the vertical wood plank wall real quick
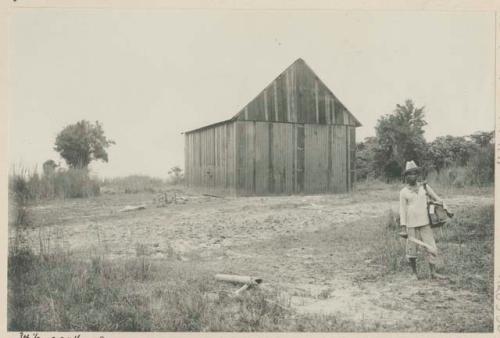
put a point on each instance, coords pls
(338, 176)
(316, 158)
(260, 158)
(282, 160)
(210, 158)
(352, 135)
(272, 159)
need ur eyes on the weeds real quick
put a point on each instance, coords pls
(27, 186)
(390, 247)
(465, 244)
(133, 184)
(60, 291)
(469, 178)
(67, 294)
(468, 244)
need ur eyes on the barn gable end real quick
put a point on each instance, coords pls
(297, 95)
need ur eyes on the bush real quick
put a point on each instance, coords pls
(389, 247)
(73, 183)
(26, 186)
(481, 167)
(133, 184)
(469, 247)
(472, 223)
(456, 177)
(176, 176)
(477, 173)
(62, 293)
(465, 243)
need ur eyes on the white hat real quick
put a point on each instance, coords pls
(411, 166)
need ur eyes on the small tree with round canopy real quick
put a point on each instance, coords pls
(82, 142)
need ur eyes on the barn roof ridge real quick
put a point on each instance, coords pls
(298, 60)
(269, 84)
(327, 88)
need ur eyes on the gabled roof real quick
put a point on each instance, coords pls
(291, 87)
(299, 63)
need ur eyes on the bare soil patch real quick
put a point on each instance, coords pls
(319, 252)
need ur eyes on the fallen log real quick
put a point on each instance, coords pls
(133, 208)
(210, 195)
(238, 279)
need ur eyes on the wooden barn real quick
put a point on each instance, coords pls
(295, 137)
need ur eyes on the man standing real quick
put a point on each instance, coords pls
(413, 215)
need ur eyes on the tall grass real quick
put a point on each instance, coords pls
(478, 171)
(389, 249)
(27, 186)
(373, 184)
(459, 177)
(466, 246)
(459, 180)
(133, 184)
(65, 293)
(468, 242)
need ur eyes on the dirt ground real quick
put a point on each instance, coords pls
(317, 251)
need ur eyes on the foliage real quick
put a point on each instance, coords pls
(49, 167)
(365, 158)
(463, 161)
(481, 166)
(448, 150)
(19, 197)
(26, 186)
(82, 142)
(465, 242)
(133, 184)
(60, 292)
(455, 160)
(176, 175)
(400, 136)
(483, 138)
(72, 183)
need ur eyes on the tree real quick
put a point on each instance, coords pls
(448, 150)
(483, 138)
(400, 137)
(49, 168)
(82, 142)
(176, 174)
(482, 161)
(365, 157)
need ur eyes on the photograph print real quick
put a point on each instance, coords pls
(250, 170)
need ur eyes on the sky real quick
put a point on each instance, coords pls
(149, 75)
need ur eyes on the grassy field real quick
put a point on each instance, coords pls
(71, 295)
(329, 263)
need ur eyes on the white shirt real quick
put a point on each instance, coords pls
(413, 205)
